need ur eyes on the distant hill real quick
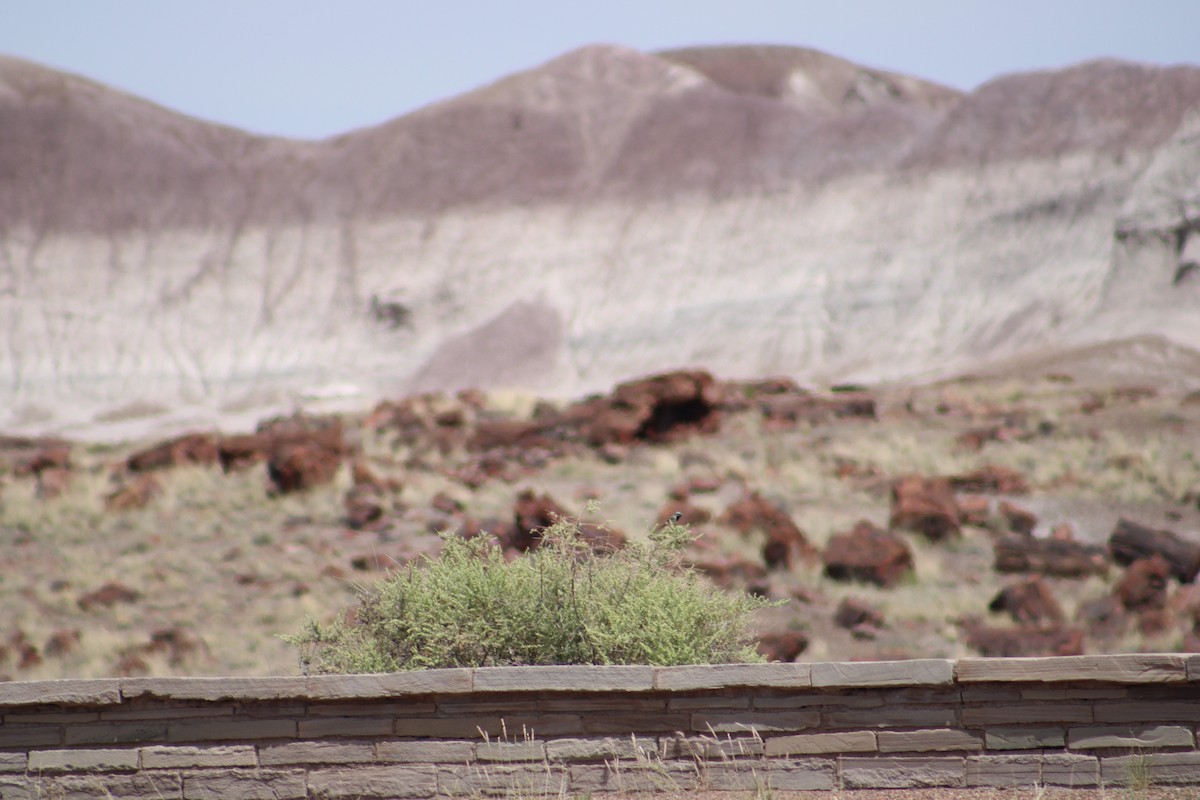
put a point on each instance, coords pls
(754, 210)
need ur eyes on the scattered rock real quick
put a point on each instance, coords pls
(1019, 520)
(1062, 558)
(135, 493)
(926, 505)
(1104, 617)
(363, 507)
(47, 456)
(53, 482)
(852, 613)
(1130, 541)
(974, 509)
(297, 467)
(1024, 640)
(108, 595)
(990, 479)
(786, 544)
(782, 645)
(62, 642)
(868, 553)
(533, 513)
(1143, 586)
(192, 448)
(1028, 601)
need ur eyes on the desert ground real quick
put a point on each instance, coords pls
(190, 556)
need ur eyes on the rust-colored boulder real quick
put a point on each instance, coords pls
(1024, 640)
(782, 645)
(785, 545)
(192, 448)
(1130, 541)
(974, 509)
(108, 595)
(533, 513)
(1019, 520)
(1064, 558)
(1143, 586)
(1028, 601)
(926, 505)
(47, 456)
(298, 467)
(853, 613)
(134, 493)
(990, 479)
(363, 507)
(62, 642)
(661, 408)
(867, 553)
(727, 570)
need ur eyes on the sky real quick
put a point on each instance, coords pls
(309, 69)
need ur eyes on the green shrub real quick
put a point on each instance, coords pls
(558, 604)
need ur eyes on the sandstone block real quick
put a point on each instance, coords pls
(1148, 712)
(12, 762)
(20, 787)
(99, 692)
(805, 775)
(623, 723)
(231, 729)
(600, 748)
(143, 786)
(392, 781)
(344, 726)
(245, 785)
(30, 735)
(184, 757)
(762, 721)
(316, 753)
(1142, 736)
(452, 728)
(1070, 769)
(1026, 713)
(710, 747)
(996, 738)
(917, 717)
(393, 684)
(1126, 668)
(510, 751)
(520, 780)
(872, 700)
(623, 777)
(928, 740)
(1004, 770)
(267, 688)
(82, 760)
(860, 772)
(565, 679)
(706, 702)
(916, 672)
(425, 752)
(718, 676)
(817, 743)
(1156, 768)
(115, 733)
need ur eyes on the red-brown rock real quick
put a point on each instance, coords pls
(135, 493)
(786, 544)
(533, 513)
(192, 448)
(782, 645)
(1019, 520)
(295, 467)
(62, 642)
(1130, 541)
(990, 479)
(363, 507)
(853, 613)
(926, 505)
(52, 482)
(974, 509)
(1064, 558)
(1028, 601)
(1143, 586)
(108, 595)
(867, 553)
(45, 457)
(1024, 640)
(661, 408)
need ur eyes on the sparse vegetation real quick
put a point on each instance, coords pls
(560, 603)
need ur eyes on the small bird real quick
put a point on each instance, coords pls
(678, 515)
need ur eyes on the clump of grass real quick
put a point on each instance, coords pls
(562, 603)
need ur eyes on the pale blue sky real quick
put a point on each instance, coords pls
(309, 69)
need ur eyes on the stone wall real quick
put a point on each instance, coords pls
(1076, 721)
